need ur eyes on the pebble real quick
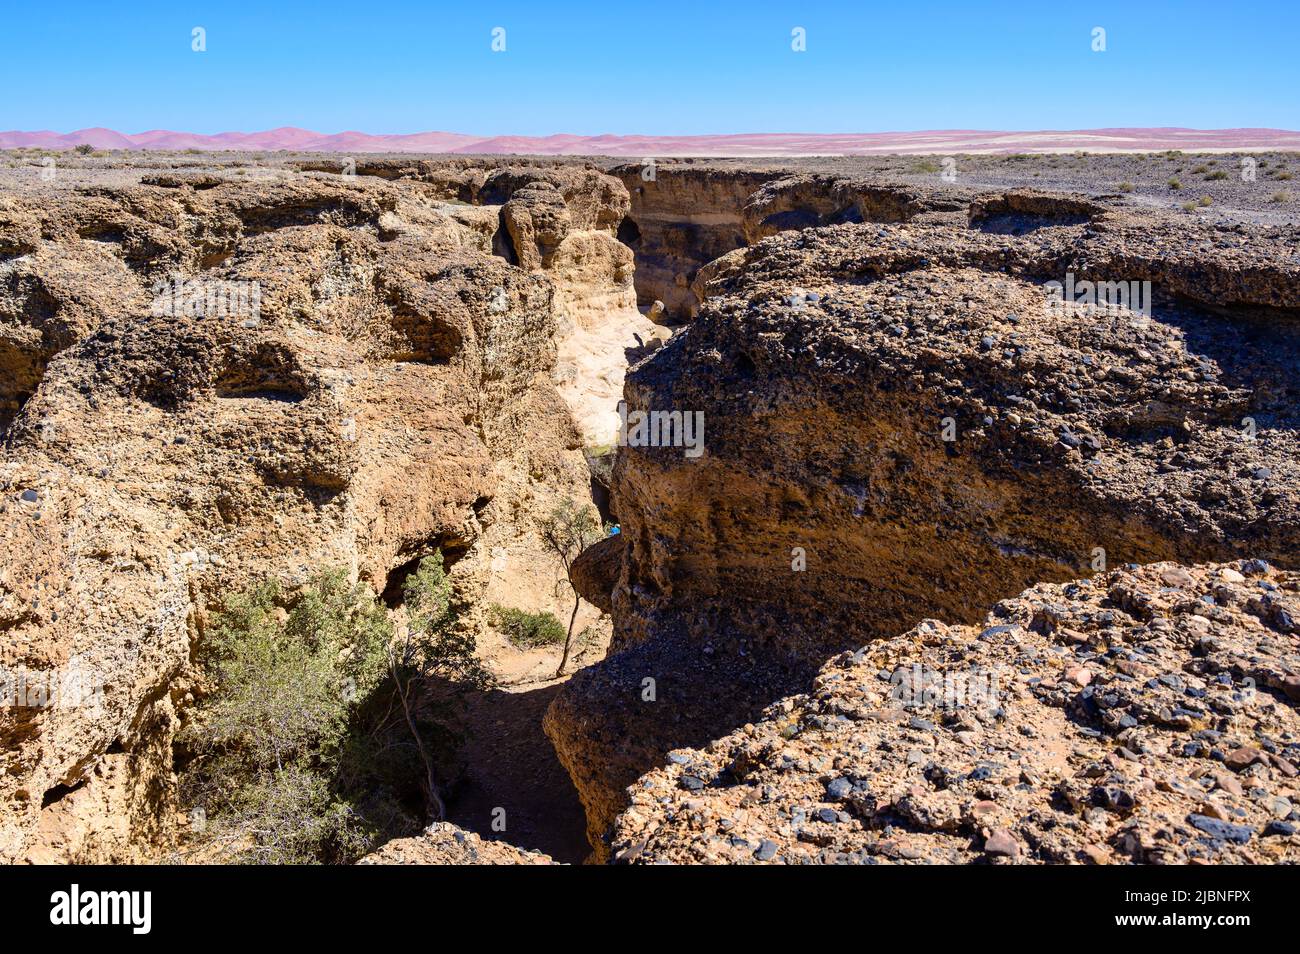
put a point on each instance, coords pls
(1214, 810)
(838, 789)
(1079, 676)
(1000, 844)
(1227, 783)
(1221, 830)
(1097, 854)
(1279, 807)
(1241, 758)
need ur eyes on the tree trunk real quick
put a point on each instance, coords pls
(437, 809)
(568, 638)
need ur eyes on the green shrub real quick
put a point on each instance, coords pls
(84, 149)
(268, 734)
(1216, 175)
(527, 630)
(320, 733)
(1175, 184)
(1126, 187)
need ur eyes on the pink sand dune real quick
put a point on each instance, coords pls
(745, 144)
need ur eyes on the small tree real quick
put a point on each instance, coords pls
(567, 531)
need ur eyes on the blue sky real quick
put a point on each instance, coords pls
(648, 66)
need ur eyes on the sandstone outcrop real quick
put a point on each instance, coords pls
(683, 216)
(806, 201)
(1145, 715)
(900, 424)
(388, 392)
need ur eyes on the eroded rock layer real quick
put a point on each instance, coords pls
(1145, 715)
(896, 422)
(204, 381)
(900, 423)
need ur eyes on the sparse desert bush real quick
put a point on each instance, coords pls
(318, 732)
(1201, 169)
(1204, 200)
(1280, 197)
(527, 630)
(1189, 206)
(1282, 174)
(1216, 175)
(268, 735)
(925, 165)
(1175, 184)
(1125, 187)
(84, 149)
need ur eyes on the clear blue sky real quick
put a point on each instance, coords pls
(647, 66)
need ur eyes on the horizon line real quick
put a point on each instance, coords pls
(742, 145)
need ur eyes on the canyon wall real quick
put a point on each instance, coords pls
(898, 425)
(360, 382)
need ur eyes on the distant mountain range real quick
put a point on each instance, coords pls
(747, 144)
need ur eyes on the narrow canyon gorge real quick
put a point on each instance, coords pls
(912, 458)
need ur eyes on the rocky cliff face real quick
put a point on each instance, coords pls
(899, 423)
(390, 390)
(896, 417)
(679, 219)
(684, 216)
(1145, 715)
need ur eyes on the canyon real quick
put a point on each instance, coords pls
(912, 457)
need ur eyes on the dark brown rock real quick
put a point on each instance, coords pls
(596, 570)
